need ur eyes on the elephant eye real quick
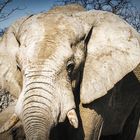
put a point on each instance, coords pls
(70, 67)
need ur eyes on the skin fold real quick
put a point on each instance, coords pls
(64, 60)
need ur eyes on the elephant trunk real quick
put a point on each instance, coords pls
(37, 124)
(37, 113)
(41, 105)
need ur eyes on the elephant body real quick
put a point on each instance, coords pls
(118, 111)
(65, 60)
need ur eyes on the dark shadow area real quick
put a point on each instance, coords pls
(120, 110)
(18, 133)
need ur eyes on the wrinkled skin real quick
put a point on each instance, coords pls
(49, 56)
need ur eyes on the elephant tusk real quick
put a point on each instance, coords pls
(10, 123)
(73, 118)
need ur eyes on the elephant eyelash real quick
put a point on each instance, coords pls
(18, 67)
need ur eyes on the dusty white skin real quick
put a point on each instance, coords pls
(49, 48)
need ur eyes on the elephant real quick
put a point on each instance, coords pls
(61, 64)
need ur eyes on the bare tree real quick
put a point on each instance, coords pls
(4, 14)
(107, 5)
(132, 16)
(2, 31)
(123, 8)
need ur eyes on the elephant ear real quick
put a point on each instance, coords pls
(113, 50)
(10, 75)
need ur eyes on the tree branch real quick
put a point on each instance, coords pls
(123, 8)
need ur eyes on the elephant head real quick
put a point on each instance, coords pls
(41, 56)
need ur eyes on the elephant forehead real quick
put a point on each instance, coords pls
(44, 34)
(44, 50)
(52, 27)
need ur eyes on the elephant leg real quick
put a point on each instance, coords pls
(91, 124)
